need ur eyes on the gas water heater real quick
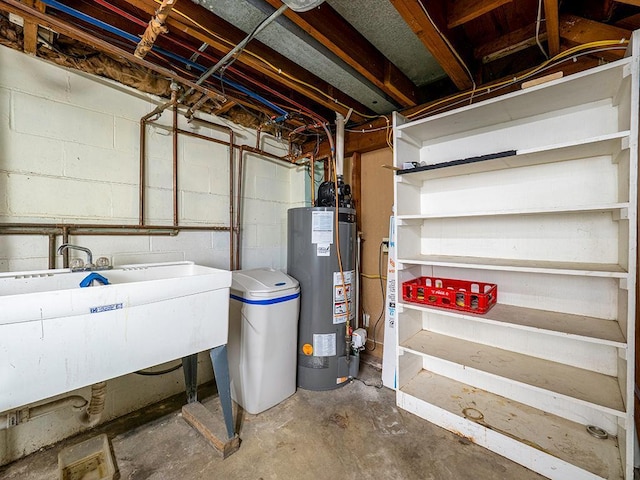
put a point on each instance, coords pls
(327, 293)
(322, 257)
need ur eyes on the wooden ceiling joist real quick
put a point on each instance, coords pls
(576, 30)
(463, 11)
(329, 28)
(635, 3)
(553, 27)
(510, 43)
(430, 36)
(31, 29)
(286, 72)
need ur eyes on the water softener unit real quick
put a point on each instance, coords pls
(325, 360)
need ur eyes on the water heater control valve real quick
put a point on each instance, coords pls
(359, 338)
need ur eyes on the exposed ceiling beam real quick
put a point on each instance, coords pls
(463, 11)
(334, 32)
(576, 30)
(223, 36)
(553, 27)
(635, 3)
(377, 139)
(429, 34)
(30, 32)
(33, 15)
(510, 43)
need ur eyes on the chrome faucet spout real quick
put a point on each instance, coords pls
(65, 246)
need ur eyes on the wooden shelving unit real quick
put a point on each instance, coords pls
(535, 191)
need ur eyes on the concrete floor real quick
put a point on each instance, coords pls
(355, 432)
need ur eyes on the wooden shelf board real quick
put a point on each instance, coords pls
(545, 432)
(610, 207)
(599, 390)
(585, 148)
(579, 327)
(515, 265)
(582, 88)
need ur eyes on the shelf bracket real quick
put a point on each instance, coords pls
(620, 214)
(624, 284)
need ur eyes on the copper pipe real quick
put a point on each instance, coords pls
(154, 28)
(52, 250)
(258, 132)
(238, 207)
(233, 265)
(65, 254)
(312, 165)
(175, 165)
(47, 229)
(143, 155)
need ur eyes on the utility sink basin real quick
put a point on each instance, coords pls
(56, 337)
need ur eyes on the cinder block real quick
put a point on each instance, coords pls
(269, 236)
(159, 142)
(206, 154)
(30, 154)
(28, 264)
(272, 189)
(159, 172)
(124, 203)
(100, 164)
(193, 178)
(104, 95)
(259, 166)
(283, 172)
(4, 202)
(257, 211)
(249, 188)
(147, 257)
(158, 206)
(56, 197)
(43, 79)
(184, 241)
(221, 241)
(5, 107)
(25, 246)
(126, 136)
(4, 265)
(33, 115)
(249, 236)
(205, 208)
(220, 179)
(108, 246)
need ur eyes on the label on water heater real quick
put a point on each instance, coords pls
(322, 227)
(342, 296)
(324, 344)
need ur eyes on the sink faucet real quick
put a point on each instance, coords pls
(65, 246)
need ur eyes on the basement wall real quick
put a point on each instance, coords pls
(69, 153)
(376, 196)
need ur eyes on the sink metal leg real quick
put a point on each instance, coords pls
(221, 372)
(190, 370)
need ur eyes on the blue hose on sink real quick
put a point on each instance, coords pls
(89, 279)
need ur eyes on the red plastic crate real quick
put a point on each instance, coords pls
(465, 295)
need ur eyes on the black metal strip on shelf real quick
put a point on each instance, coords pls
(463, 161)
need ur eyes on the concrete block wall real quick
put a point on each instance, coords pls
(69, 153)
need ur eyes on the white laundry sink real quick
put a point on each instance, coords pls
(56, 337)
